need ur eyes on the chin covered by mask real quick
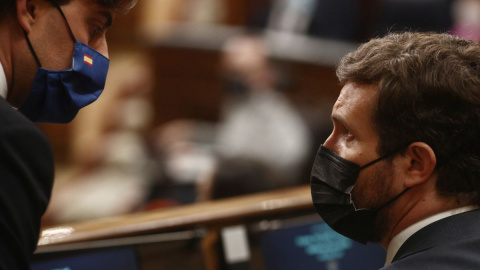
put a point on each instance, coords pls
(57, 95)
(332, 181)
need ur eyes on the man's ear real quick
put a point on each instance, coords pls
(420, 163)
(26, 14)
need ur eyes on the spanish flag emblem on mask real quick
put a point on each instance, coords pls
(87, 59)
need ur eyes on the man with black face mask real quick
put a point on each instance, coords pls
(53, 62)
(402, 164)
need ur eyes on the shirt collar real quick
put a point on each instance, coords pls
(398, 240)
(3, 83)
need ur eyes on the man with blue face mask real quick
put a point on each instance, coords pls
(53, 62)
(402, 165)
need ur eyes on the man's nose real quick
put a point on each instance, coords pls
(102, 48)
(329, 142)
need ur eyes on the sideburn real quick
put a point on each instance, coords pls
(376, 189)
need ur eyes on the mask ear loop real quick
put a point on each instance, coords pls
(69, 31)
(395, 197)
(376, 160)
(63, 15)
(32, 50)
(380, 158)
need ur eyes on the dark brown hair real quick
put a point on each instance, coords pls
(119, 6)
(428, 91)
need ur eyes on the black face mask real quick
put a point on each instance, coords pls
(332, 181)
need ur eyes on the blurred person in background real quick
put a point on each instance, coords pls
(233, 177)
(115, 158)
(40, 39)
(260, 132)
(259, 122)
(185, 156)
(466, 19)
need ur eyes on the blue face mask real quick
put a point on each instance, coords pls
(58, 95)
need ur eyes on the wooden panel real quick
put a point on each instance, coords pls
(188, 84)
(179, 218)
(239, 12)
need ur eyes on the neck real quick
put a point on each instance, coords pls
(421, 202)
(17, 60)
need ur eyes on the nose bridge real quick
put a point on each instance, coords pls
(329, 141)
(103, 48)
(100, 45)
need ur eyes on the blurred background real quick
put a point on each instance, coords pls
(208, 99)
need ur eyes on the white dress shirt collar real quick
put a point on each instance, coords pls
(3, 83)
(398, 240)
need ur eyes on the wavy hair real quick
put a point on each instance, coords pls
(119, 6)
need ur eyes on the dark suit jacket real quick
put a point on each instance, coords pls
(450, 243)
(26, 178)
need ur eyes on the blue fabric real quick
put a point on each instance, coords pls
(58, 95)
(27, 172)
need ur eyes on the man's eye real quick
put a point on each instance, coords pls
(347, 133)
(95, 31)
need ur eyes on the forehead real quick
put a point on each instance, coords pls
(356, 100)
(80, 10)
(90, 5)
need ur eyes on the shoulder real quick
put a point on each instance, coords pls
(21, 138)
(14, 122)
(451, 243)
(460, 255)
(11, 118)
(27, 171)
(22, 143)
